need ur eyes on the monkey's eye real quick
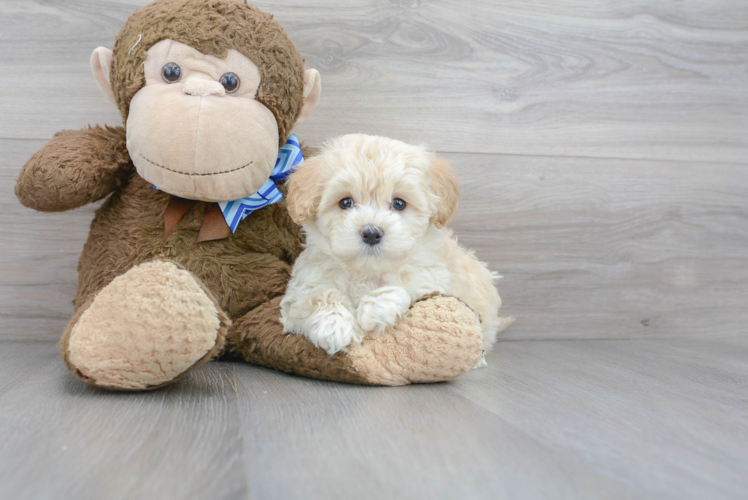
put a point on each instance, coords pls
(346, 203)
(230, 82)
(171, 72)
(399, 204)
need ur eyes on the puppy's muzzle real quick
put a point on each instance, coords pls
(372, 235)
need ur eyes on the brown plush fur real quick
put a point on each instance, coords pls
(75, 168)
(243, 271)
(213, 27)
(244, 275)
(258, 338)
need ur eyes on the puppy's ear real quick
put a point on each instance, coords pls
(445, 187)
(303, 186)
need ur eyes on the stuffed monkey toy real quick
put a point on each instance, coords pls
(189, 255)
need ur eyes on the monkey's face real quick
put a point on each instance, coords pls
(195, 129)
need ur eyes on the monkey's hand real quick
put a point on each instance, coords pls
(75, 168)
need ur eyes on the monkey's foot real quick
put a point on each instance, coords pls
(145, 329)
(436, 340)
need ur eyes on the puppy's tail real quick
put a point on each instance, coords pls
(504, 324)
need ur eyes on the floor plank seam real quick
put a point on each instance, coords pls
(523, 155)
(607, 158)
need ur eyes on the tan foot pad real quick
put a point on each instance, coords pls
(146, 328)
(436, 340)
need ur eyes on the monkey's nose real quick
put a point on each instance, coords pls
(203, 87)
(372, 235)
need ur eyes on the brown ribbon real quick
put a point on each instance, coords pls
(214, 226)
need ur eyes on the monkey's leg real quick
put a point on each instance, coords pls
(436, 340)
(145, 329)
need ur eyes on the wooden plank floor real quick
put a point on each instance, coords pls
(603, 153)
(546, 419)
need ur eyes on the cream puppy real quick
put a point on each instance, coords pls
(374, 212)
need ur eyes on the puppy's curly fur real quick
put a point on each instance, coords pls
(343, 287)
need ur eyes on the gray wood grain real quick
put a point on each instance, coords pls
(593, 248)
(589, 248)
(338, 441)
(633, 79)
(634, 419)
(60, 438)
(665, 417)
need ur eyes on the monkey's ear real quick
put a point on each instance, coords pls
(312, 90)
(445, 187)
(101, 65)
(303, 186)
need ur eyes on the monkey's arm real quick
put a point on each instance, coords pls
(75, 168)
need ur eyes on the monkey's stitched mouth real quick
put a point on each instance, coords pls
(193, 174)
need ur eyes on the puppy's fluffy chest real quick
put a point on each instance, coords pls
(417, 281)
(424, 271)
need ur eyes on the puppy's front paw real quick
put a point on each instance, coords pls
(382, 308)
(333, 329)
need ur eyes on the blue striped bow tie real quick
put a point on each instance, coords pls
(289, 157)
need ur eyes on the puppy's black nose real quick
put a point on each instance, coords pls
(372, 235)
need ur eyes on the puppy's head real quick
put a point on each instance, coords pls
(368, 200)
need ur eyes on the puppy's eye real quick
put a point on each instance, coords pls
(171, 72)
(346, 203)
(399, 204)
(230, 82)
